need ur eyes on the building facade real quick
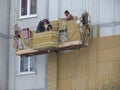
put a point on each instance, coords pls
(44, 72)
(4, 47)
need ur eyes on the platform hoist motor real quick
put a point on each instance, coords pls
(87, 28)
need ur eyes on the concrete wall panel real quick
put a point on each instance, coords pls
(54, 9)
(33, 81)
(4, 49)
(117, 31)
(107, 31)
(4, 16)
(117, 12)
(3, 63)
(27, 22)
(107, 11)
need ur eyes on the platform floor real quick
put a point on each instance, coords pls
(61, 47)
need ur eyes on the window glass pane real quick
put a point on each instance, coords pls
(23, 7)
(33, 6)
(24, 64)
(32, 63)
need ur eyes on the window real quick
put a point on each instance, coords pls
(28, 8)
(27, 65)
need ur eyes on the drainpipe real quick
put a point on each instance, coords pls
(46, 63)
(9, 6)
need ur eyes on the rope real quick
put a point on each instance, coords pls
(74, 32)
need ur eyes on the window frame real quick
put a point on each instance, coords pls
(25, 72)
(28, 11)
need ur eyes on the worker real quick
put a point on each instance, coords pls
(68, 15)
(44, 25)
(63, 36)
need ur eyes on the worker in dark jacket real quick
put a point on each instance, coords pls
(44, 25)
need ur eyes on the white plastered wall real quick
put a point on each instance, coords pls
(103, 12)
(37, 81)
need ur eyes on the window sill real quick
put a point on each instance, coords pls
(25, 73)
(27, 17)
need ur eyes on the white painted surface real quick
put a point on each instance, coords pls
(110, 31)
(28, 81)
(3, 63)
(107, 31)
(53, 9)
(36, 80)
(4, 9)
(106, 11)
(33, 81)
(4, 14)
(117, 10)
(117, 31)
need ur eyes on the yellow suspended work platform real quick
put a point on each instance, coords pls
(65, 35)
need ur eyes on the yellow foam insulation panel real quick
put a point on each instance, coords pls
(55, 25)
(73, 29)
(26, 51)
(96, 67)
(72, 43)
(45, 39)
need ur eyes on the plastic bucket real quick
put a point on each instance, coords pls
(25, 33)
